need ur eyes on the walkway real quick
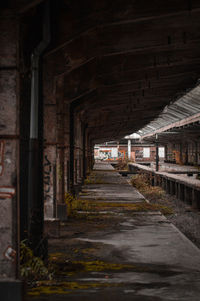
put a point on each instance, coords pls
(113, 250)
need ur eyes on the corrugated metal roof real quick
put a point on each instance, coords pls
(186, 106)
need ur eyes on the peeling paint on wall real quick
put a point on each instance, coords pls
(10, 254)
(5, 191)
(47, 177)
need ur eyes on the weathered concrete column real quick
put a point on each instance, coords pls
(10, 288)
(181, 153)
(60, 141)
(71, 152)
(87, 167)
(157, 153)
(196, 152)
(62, 130)
(56, 139)
(166, 152)
(66, 147)
(49, 158)
(84, 151)
(129, 149)
(186, 153)
(78, 151)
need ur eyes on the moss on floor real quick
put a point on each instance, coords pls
(135, 207)
(67, 287)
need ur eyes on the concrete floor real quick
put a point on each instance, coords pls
(169, 167)
(116, 253)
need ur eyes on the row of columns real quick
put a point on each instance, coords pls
(67, 152)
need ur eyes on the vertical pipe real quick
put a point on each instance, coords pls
(35, 202)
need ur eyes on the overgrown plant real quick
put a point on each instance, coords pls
(140, 182)
(122, 164)
(69, 199)
(154, 194)
(74, 205)
(32, 268)
(151, 192)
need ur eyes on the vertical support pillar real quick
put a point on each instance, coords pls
(78, 150)
(49, 159)
(196, 153)
(66, 146)
(84, 151)
(71, 162)
(157, 154)
(60, 139)
(50, 142)
(129, 149)
(9, 158)
(181, 152)
(87, 154)
(166, 153)
(186, 153)
(61, 160)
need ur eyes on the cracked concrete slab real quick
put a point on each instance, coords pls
(120, 254)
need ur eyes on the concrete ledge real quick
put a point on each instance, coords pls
(52, 227)
(185, 188)
(11, 289)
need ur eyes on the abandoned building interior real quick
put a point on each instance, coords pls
(77, 76)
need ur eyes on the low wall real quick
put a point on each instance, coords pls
(185, 189)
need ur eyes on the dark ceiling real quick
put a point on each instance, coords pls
(120, 62)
